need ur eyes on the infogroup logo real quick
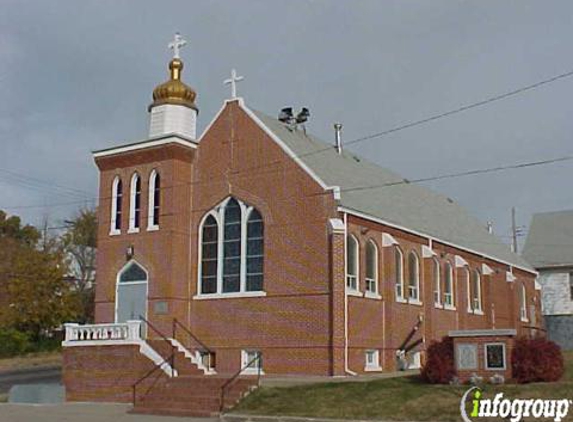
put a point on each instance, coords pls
(513, 409)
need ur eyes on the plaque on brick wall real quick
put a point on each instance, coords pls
(160, 308)
(495, 356)
(466, 356)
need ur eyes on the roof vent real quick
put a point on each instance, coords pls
(338, 137)
(303, 116)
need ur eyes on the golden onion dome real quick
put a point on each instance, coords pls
(174, 91)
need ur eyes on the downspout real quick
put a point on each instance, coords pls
(346, 369)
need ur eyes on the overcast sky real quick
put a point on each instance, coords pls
(78, 75)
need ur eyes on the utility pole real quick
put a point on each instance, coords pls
(513, 231)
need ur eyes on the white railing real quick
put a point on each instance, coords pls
(93, 334)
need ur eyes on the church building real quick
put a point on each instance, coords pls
(257, 247)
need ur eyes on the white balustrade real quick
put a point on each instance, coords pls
(95, 334)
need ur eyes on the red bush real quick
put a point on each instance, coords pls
(536, 360)
(439, 367)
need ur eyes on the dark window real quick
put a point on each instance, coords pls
(133, 273)
(209, 254)
(156, 199)
(571, 284)
(495, 356)
(232, 248)
(255, 251)
(118, 205)
(137, 204)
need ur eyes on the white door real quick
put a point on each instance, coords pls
(131, 294)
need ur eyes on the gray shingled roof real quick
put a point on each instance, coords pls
(408, 205)
(550, 240)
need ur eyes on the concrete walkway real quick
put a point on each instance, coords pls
(291, 380)
(82, 412)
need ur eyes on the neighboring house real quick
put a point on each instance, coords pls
(549, 248)
(265, 242)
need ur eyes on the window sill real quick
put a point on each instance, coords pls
(414, 302)
(236, 295)
(152, 228)
(373, 369)
(353, 292)
(478, 312)
(133, 230)
(115, 232)
(524, 319)
(372, 295)
(449, 307)
(252, 371)
(401, 300)
(438, 305)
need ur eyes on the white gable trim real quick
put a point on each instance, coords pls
(285, 148)
(509, 277)
(433, 239)
(537, 285)
(388, 240)
(427, 252)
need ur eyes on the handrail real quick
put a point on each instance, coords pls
(148, 374)
(188, 331)
(236, 375)
(165, 339)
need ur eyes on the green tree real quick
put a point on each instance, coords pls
(79, 243)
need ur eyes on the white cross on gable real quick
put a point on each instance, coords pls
(176, 44)
(233, 82)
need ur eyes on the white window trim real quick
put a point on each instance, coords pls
(470, 308)
(451, 275)
(399, 298)
(523, 305)
(244, 362)
(417, 300)
(151, 202)
(437, 281)
(486, 363)
(375, 294)
(218, 213)
(113, 231)
(132, 191)
(353, 291)
(478, 310)
(376, 367)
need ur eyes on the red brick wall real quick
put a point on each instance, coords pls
(104, 373)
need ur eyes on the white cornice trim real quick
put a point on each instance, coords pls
(337, 225)
(433, 239)
(486, 269)
(171, 139)
(509, 277)
(388, 240)
(427, 252)
(460, 262)
(537, 285)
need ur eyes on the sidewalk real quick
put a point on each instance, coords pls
(82, 412)
(292, 380)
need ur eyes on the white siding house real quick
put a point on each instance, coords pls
(549, 248)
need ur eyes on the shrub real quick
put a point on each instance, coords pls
(439, 367)
(536, 360)
(13, 342)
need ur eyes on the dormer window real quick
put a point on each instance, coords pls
(135, 204)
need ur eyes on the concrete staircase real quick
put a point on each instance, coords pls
(194, 390)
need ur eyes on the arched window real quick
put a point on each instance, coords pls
(476, 281)
(469, 289)
(135, 203)
(399, 273)
(154, 196)
(523, 304)
(413, 277)
(209, 255)
(449, 285)
(352, 259)
(231, 250)
(255, 251)
(371, 268)
(437, 283)
(116, 205)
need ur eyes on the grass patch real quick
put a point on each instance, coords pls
(31, 360)
(399, 399)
